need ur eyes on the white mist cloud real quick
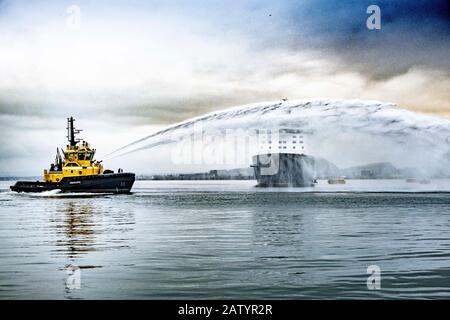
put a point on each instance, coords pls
(140, 60)
(129, 66)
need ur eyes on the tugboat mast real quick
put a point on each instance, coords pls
(71, 132)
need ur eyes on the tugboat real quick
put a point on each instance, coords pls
(75, 170)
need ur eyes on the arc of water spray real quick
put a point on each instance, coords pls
(327, 119)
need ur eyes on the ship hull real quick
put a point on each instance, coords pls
(284, 170)
(105, 183)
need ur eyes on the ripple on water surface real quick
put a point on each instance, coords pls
(224, 240)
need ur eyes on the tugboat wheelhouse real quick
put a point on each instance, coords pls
(78, 159)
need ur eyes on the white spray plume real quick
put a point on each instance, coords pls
(347, 132)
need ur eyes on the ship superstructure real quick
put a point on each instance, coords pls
(77, 160)
(281, 160)
(281, 141)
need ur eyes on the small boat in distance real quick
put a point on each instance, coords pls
(337, 180)
(75, 170)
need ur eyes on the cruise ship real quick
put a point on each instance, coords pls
(282, 160)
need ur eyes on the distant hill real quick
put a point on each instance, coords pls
(380, 170)
(324, 170)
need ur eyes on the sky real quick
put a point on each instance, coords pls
(125, 69)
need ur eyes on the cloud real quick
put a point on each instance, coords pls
(412, 33)
(134, 63)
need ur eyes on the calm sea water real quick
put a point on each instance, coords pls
(227, 239)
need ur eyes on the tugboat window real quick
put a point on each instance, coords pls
(81, 156)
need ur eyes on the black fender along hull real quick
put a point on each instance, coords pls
(105, 183)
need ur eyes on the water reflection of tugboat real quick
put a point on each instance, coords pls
(78, 229)
(77, 171)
